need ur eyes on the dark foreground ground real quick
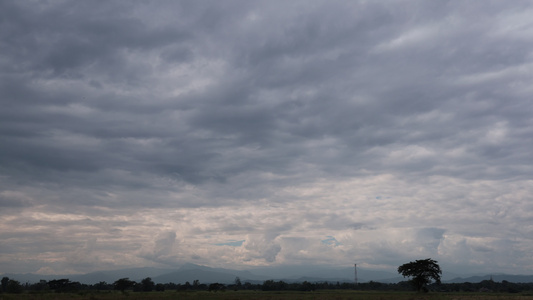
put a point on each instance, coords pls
(260, 295)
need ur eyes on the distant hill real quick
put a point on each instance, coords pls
(191, 272)
(497, 278)
(294, 273)
(244, 275)
(204, 276)
(135, 274)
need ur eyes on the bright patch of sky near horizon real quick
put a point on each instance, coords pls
(238, 134)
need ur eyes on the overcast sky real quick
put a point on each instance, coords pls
(261, 133)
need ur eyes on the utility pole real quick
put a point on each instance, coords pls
(355, 269)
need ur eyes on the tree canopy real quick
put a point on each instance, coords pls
(123, 283)
(422, 272)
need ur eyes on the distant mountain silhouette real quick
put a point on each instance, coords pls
(136, 274)
(497, 278)
(191, 272)
(204, 276)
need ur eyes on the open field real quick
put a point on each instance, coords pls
(244, 295)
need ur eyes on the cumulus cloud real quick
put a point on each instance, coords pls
(162, 250)
(261, 247)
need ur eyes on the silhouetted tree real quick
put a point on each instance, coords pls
(307, 286)
(5, 280)
(238, 282)
(147, 284)
(421, 272)
(14, 287)
(63, 285)
(271, 285)
(123, 283)
(196, 284)
(41, 286)
(102, 286)
(215, 287)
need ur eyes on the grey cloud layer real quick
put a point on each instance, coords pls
(114, 106)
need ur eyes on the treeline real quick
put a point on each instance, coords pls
(147, 285)
(483, 286)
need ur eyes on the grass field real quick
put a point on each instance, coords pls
(244, 295)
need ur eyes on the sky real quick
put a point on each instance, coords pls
(240, 134)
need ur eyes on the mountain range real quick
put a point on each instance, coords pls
(191, 272)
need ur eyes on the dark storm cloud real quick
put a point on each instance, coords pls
(261, 103)
(58, 39)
